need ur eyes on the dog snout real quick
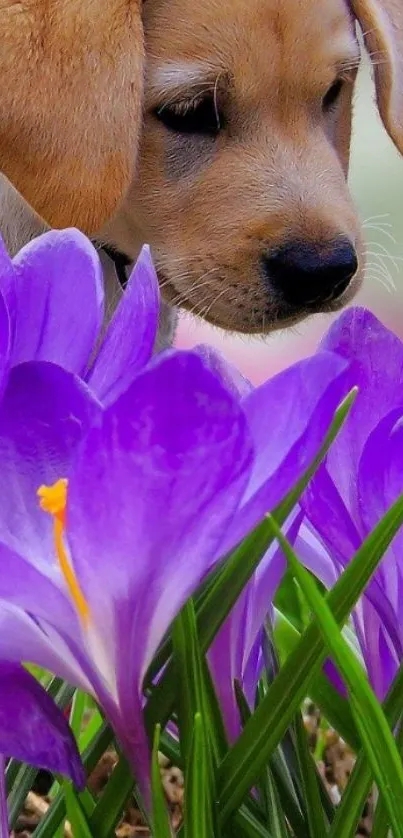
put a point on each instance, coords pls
(310, 274)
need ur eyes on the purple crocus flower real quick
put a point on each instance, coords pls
(52, 309)
(167, 480)
(359, 481)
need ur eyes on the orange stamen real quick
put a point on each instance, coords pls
(52, 499)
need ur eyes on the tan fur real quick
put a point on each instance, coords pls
(382, 24)
(70, 104)
(276, 173)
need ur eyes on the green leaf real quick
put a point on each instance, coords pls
(276, 819)
(198, 815)
(287, 787)
(95, 724)
(110, 807)
(77, 713)
(161, 825)
(190, 673)
(229, 580)
(381, 824)
(169, 747)
(309, 775)
(279, 775)
(57, 811)
(245, 761)
(75, 813)
(334, 707)
(198, 710)
(244, 824)
(22, 785)
(349, 811)
(377, 739)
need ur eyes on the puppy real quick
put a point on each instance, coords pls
(240, 185)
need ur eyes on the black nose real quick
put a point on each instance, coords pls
(306, 274)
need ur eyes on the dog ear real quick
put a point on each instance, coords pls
(70, 105)
(381, 22)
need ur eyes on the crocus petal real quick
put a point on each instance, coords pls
(315, 557)
(32, 728)
(129, 340)
(235, 382)
(23, 585)
(380, 483)
(299, 404)
(331, 519)
(380, 474)
(376, 367)
(7, 279)
(5, 337)
(234, 652)
(59, 305)
(23, 637)
(43, 415)
(154, 490)
(225, 661)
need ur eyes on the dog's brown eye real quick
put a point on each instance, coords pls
(199, 116)
(332, 95)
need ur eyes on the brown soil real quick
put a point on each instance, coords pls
(335, 765)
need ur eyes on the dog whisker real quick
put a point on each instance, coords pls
(377, 278)
(386, 253)
(382, 230)
(377, 270)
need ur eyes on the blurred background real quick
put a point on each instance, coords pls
(376, 181)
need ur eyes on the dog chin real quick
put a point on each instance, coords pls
(269, 319)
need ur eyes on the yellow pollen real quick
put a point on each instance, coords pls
(52, 499)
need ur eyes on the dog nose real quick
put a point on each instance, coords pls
(306, 274)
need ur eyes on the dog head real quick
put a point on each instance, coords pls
(241, 181)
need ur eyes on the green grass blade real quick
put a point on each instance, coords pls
(75, 813)
(265, 729)
(359, 786)
(109, 808)
(57, 811)
(198, 821)
(161, 825)
(381, 824)
(77, 713)
(377, 738)
(335, 708)
(279, 776)
(313, 801)
(245, 825)
(276, 819)
(22, 785)
(190, 675)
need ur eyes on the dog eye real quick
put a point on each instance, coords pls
(332, 95)
(199, 116)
